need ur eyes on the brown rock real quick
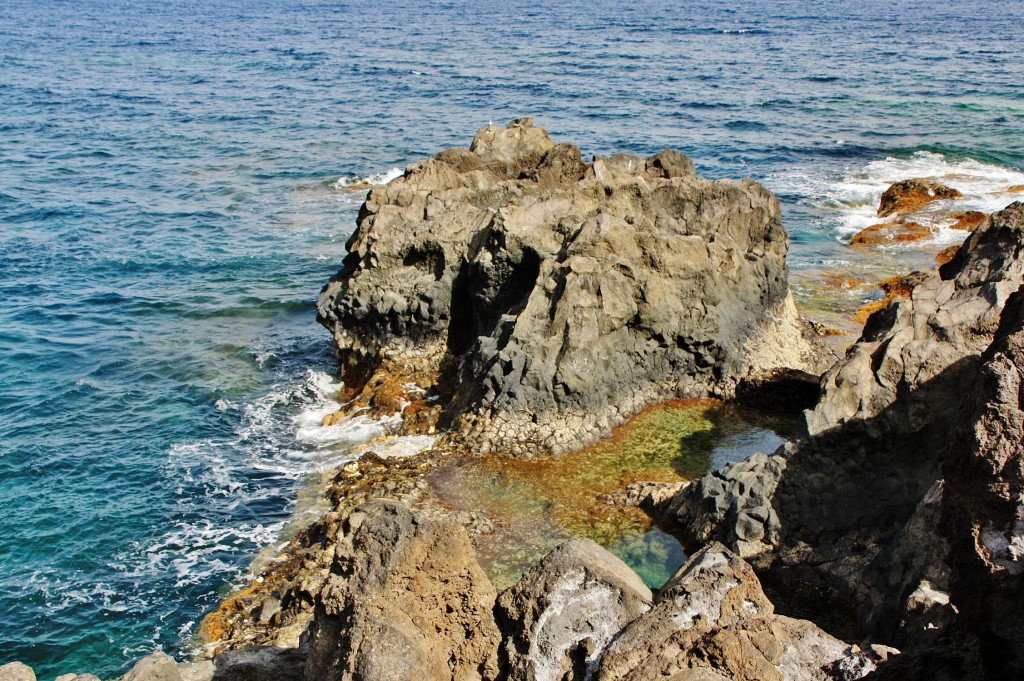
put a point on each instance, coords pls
(893, 287)
(1015, 188)
(909, 195)
(405, 599)
(945, 255)
(896, 231)
(968, 221)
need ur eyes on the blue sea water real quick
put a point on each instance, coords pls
(169, 209)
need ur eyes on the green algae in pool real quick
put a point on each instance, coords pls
(534, 505)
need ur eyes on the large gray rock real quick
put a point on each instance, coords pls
(551, 299)
(713, 618)
(565, 610)
(405, 599)
(856, 493)
(157, 666)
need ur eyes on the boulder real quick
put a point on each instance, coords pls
(157, 666)
(76, 677)
(896, 231)
(405, 599)
(546, 299)
(562, 612)
(16, 671)
(259, 663)
(909, 195)
(713, 619)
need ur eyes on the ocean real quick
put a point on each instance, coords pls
(172, 198)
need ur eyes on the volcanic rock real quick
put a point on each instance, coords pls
(549, 299)
(857, 491)
(908, 195)
(565, 610)
(405, 599)
(713, 617)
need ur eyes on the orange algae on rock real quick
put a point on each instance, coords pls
(968, 220)
(899, 286)
(908, 195)
(890, 232)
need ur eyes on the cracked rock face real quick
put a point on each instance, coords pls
(553, 297)
(565, 610)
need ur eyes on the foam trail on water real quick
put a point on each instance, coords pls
(355, 182)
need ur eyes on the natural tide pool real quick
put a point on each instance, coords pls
(534, 505)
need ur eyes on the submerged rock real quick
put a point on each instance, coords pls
(908, 195)
(565, 610)
(548, 299)
(405, 599)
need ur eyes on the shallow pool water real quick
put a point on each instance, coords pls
(536, 504)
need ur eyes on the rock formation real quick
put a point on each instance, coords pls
(909, 195)
(405, 599)
(548, 299)
(857, 503)
(565, 610)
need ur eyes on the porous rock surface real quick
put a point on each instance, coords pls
(712, 618)
(564, 610)
(551, 298)
(908, 195)
(405, 599)
(855, 502)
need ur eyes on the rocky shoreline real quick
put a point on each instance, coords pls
(510, 297)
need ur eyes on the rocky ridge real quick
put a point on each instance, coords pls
(545, 299)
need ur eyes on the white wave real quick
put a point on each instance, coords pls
(355, 182)
(850, 201)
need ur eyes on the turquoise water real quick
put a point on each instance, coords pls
(168, 214)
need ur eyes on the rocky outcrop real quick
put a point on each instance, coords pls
(547, 299)
(712, 620)
(405, 599)
(855, 499)
(983, 510)
(565, 610)
(908, 195)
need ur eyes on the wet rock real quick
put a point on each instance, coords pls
(565, 610)
(545, 300)
(405, 599)
(945, 255)
(909, 195)
(713, 618)
(157, 666)
(16, 671)
(968, 221)
(896, 231)
(893, 287)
